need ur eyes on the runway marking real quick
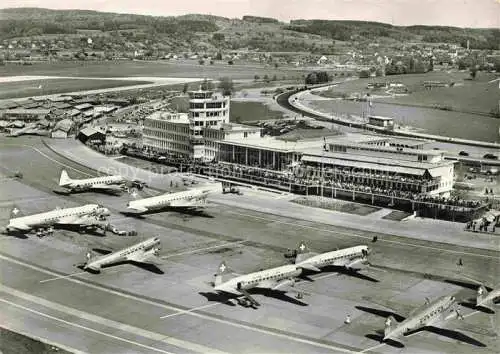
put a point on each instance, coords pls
(472, 313)
(190, 310)
(361, 236)
(63, 277)
(159, 337)
(372, 348)
(203, 249)
(208, 317)
(83, 327)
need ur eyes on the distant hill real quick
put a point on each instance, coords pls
(214, 33)
(345, 30)
(20, 22)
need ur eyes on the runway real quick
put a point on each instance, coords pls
(128, 309)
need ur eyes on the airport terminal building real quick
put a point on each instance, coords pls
(367, 162)
(370, 162)
(195, 135)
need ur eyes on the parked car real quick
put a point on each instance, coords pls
(490, 157)
(138, 184)
(463, 153)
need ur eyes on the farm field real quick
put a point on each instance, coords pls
(52, 86)
(469, 96)
(242, 112)
(188, 69)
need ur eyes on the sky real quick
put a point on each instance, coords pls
(460, 13)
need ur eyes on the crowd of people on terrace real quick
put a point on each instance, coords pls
(306, 177)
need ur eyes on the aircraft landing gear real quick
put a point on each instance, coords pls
(44, 232)
(244, 302)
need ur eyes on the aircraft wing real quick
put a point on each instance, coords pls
(309, 266)
(279, 286)
(109, 187)
(283, 284)
(239, 293)
(72, 220)
(139, 209)
(22, 227)
(192, 203)
(145, 258)
(230, 290)
(354, 262)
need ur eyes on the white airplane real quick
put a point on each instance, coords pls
(140, 254)
(273, 279)
(194, 198)
(347, 257)
(486, 296)
(86, 215)
(487, 299)
(106, 183)
(424, 317)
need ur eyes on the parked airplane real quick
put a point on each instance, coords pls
(438, 311)
(194, 198)
(106, 183)
(347, 257)
(487, 299)
(86, 215)
(487, 293)
(140, 254)
(273, 279)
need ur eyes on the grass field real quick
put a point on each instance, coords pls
(146, 68)
(470, 96)
(299, 134)
(337, 205)
(14, 343)
(242, 112)
(52, 86)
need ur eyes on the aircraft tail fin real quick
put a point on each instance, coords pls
(303, 252)
(222, 274)
(90, 255)
(481, 294)
(303, 248)
(64, 179)
(16, 213)
(390, 323)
